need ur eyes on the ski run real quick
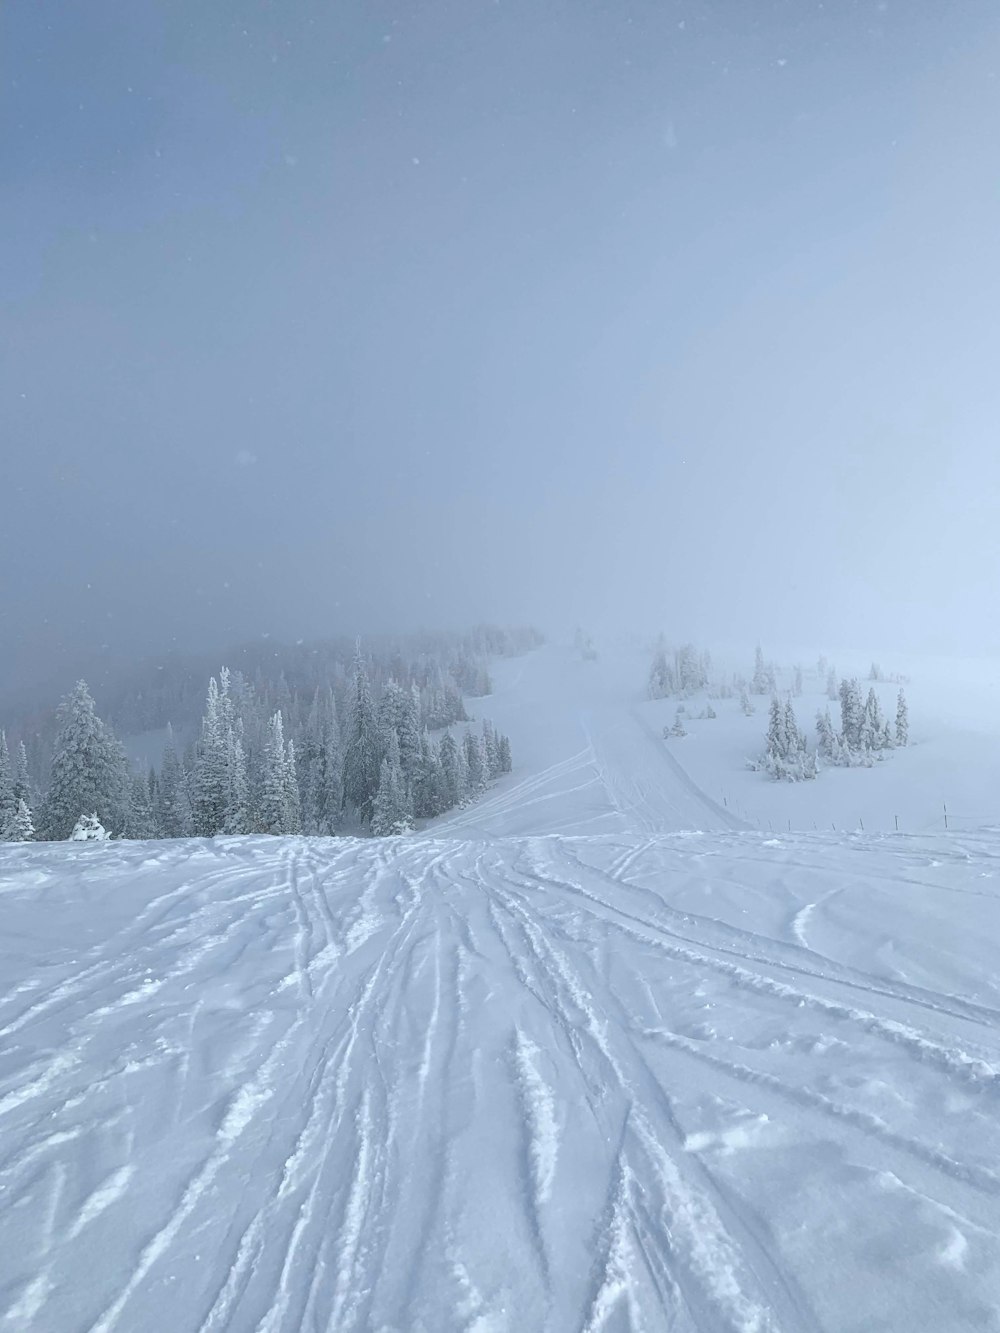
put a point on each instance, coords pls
(590, 1055)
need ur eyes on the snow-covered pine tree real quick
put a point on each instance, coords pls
(89, 770)
(454, 705)
(824, 734)
(503, 751)
(902, 720)
(236, 815)
(746, 706)
(872, 722)
(173, 808)
(832, 686)
(759, 681)
(390, 815)
(786, 757)
(661, 676)
(690, 669)
(451, 771)
(140, 822)
(777, 741)
(475, 762)
(794, 740)
(8, 803)
(409, 731)
(362, 751)
(851, 714)
(425, 788)
(490, 750)
(19, 827)
(273, 816)
(211, 774)
(391, 709)
(21, 779)
(293, 804)
(797, 682)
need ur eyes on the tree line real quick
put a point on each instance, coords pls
(371, 749)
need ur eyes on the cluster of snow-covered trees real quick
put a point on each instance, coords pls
(786, 757)
(358, 753)
(864, 736)
(16, 823)
(682, 672)
(764, 678)
(865, 732)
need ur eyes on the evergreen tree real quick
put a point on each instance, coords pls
(362, 751)
(851, 714)
(759, 682)
(410, 739)
(320, 766)
(661, 676)
(786, 756)
(690, 669)
(173, 807)
(390, 814)
(211, 774)
(474, 760)
(491, 751)
(503, 751)
(872, 722)
(902, 720)
(293, 806)
(89, 770)
(139, 821)
(19, 827)
(777, 740)
(797, 682)
(427, 788)
(794, 740)
(236, 816)
(21, 781)
(391, 710)
(8, 802)
(275, 815)
(451, 770)
(824, 733)
(832, 688)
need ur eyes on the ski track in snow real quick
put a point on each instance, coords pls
(625, 1079)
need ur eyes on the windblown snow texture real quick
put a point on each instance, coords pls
(631, 1078)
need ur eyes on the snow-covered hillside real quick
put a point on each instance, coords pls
(588, 1055)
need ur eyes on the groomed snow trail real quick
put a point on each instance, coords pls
(716, 1082)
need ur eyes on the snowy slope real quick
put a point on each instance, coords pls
(497, 1077)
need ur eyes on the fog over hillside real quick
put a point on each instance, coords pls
(326, 319)
(499, 669)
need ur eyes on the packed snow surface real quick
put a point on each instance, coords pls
(651, 1070)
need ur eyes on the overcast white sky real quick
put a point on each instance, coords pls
(326, 317)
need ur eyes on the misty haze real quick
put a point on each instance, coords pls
(499, 673)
